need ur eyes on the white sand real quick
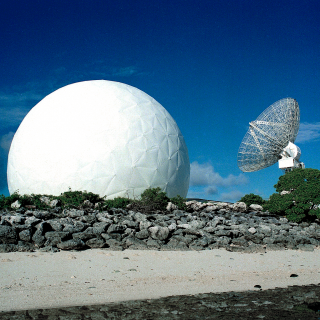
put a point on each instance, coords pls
(47, 280)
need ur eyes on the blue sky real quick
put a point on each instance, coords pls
(214, 65)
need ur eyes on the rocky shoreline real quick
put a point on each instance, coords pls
(203, 226)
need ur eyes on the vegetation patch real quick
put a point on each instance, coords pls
(298, 196)
(252, 198)
(150, 200)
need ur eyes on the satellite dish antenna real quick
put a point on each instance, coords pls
(271, 137)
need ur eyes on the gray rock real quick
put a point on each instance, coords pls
(88, 219)
(116, 228)
(255, 207)
(187, 239)
(38, 237)
(158, 233)
(103, 217)
(171, 207)
(130, 224)
(25, 235)
(139, 217)
(222, 241)
(14, 220)
(55, 237)
(96, 243)
(117, 236)
(32, 221)
(305, 247)
(252, 230)
(73, 244)
(239, 206)
(16, 205)
(175, 244)
(87, 204)
(43, 215)
(144, 225)
(55, 225)
(54, 203)
(192, 231)
(8, 248)
(8, 235)
(23, 246)
(49, 249)
(240, 242)
(172, 227)
(154, 244)
(222, 232)
(114, 245)
(45, 200)
(266, 230)
(133, 243)
(202, 242)
(143, 234)
(78, 226)
(73, 213)
(224, 227)
(89, 233)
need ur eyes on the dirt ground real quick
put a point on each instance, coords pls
(295, 302)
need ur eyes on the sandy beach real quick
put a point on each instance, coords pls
(33, 280)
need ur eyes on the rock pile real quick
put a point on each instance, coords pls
(203, 226)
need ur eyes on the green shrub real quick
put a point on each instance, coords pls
(150, 200)
(180, 202)
(76, 198)
(252, 198)
(118, 202)
(68, 199)
(5, 202)
(301, 199)
(154, 198)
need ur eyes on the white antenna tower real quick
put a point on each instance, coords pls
(271, 137)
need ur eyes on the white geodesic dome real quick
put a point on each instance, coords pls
(100, 136)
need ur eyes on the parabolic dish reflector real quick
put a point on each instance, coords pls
(268, 135)
(100, 136)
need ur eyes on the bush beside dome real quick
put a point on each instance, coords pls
(101, 136)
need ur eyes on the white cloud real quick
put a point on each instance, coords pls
(232, 196)
(204, 175)
(205, 183)
(308, 132)
(211, 190)
(5, 141)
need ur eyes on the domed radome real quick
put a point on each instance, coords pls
(101, 136)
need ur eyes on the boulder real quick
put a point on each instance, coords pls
(142, 234)
(73, 244)
(255, 207)
(55, 237)
(239, 207)
(171, 206)
(134, 243)
(158, 233)
(25, 235)
(8, 235)
(96, 243)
